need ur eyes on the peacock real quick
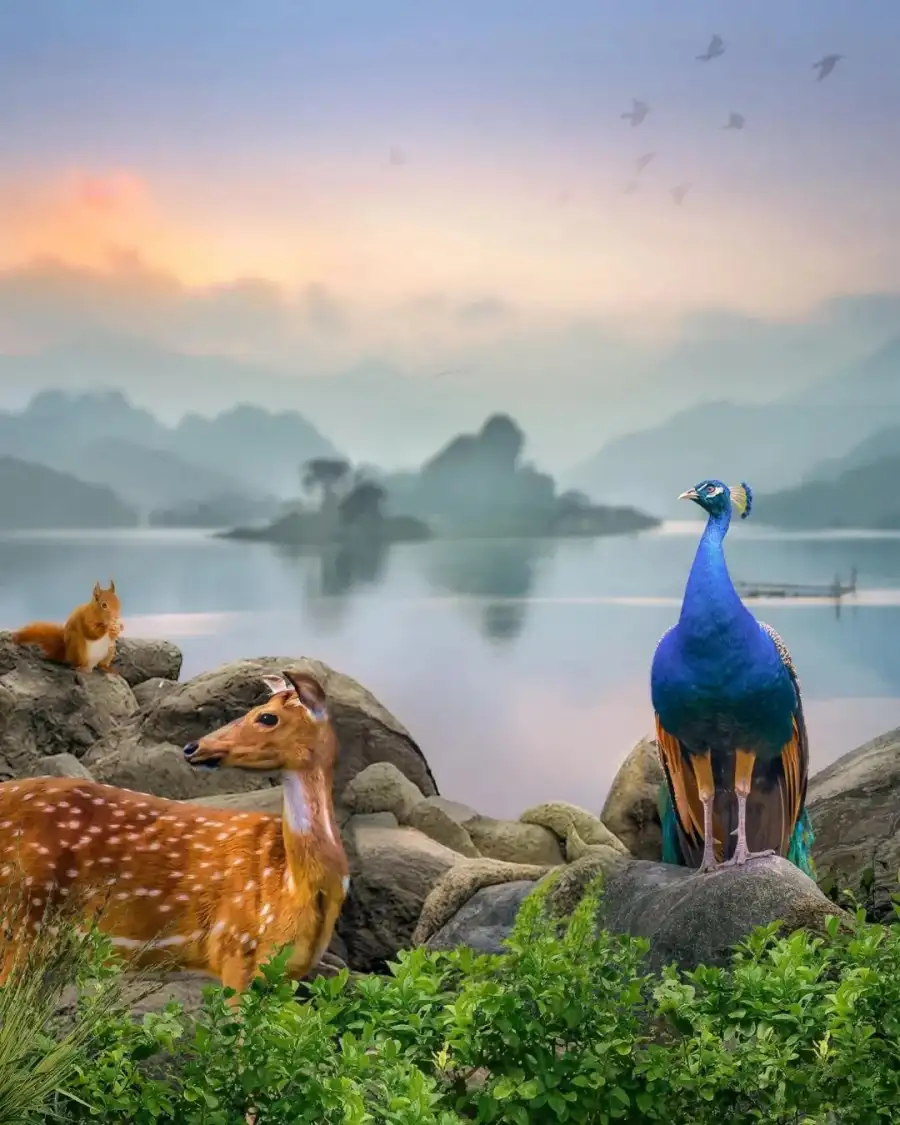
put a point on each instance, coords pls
(729, 717)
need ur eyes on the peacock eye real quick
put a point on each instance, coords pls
(267, 719)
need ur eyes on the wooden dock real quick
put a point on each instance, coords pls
(835, 591)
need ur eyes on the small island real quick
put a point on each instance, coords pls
(476, 487)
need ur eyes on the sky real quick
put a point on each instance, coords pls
(215, 178)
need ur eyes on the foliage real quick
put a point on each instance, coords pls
(567, 1025)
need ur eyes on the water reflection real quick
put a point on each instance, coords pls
(488, 569)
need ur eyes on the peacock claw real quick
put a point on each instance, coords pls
(742, 856)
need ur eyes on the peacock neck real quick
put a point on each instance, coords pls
(711, 604)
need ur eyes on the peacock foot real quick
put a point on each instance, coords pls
(708, 862)
(742, 855)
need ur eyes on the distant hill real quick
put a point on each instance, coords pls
(34, 497)
(101, 437)
(769, 445)
(882, 444)
(863, 497)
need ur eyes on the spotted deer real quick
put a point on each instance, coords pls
(204, 889)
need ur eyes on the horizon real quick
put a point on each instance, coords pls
(431, 204)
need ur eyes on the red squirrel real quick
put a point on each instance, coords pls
(88, 638)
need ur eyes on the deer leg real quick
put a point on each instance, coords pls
(743, 778)
(706, 787)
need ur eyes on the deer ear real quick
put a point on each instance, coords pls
(275, 684)
(309, 693)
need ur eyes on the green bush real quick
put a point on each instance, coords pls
(565, 1026)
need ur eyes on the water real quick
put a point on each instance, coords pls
(520, 667)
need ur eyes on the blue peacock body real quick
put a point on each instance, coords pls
(729, 716)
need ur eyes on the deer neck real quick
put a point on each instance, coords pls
(312, 841)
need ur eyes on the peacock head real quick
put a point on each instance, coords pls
(718, 499)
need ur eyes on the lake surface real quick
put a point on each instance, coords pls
(521, 667)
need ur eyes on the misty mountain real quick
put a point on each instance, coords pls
(864, 497)
(101, 437)
(771, 445)
(882, 444)
(35, 497)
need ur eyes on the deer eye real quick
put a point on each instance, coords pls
(267, 719)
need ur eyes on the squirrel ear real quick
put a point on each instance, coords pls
(97, 590)
(112, 586)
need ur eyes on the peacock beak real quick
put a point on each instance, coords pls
(689, 494)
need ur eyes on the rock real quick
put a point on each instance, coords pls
(366, 731)
(631, 811)
(563, 819)
(485, 920)
(258, 800)
(458, 885)
(48, 708)
(435, 822)
(126, 760)
(374, 820)
(688, 919)
(392, 871)
(457, 811)
(140, 660)
(381, 787)
(60, 765)
(513, 841)
(150, 692)
(854, 806)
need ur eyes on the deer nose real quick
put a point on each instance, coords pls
(191, 749)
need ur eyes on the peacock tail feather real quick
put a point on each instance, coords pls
(671, 849)
(799, 851)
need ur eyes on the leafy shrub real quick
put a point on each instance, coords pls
(566, 1026)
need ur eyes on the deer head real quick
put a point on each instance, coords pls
(291, 731)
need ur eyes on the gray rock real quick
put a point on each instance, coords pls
(688, 919)
(434, 821)
(392, 871)
(127, 760)
(269, 800)
(48, 708)
(60, 765)
(366, 731)
(141, 659)
(372, 820)
(485, 920)
(381, 787)
(854, 806)
(513, 841)
(631, 811)
(458, 812)
(150, 692)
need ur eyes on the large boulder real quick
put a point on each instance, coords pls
(631, 811)
(140, 660)
(688, 919)
(392, 871)
(366, 731)
(854, 806)
(48, 708)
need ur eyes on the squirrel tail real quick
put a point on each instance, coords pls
(48, 637)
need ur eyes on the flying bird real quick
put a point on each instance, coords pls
(678, 193)
(729, 718)
(638, 112)
(642, 161)
(826, 65)
(631, 187)
(716, 47)
(735, 121)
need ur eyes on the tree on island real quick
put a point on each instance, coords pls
(324, 476)
(364, 504)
